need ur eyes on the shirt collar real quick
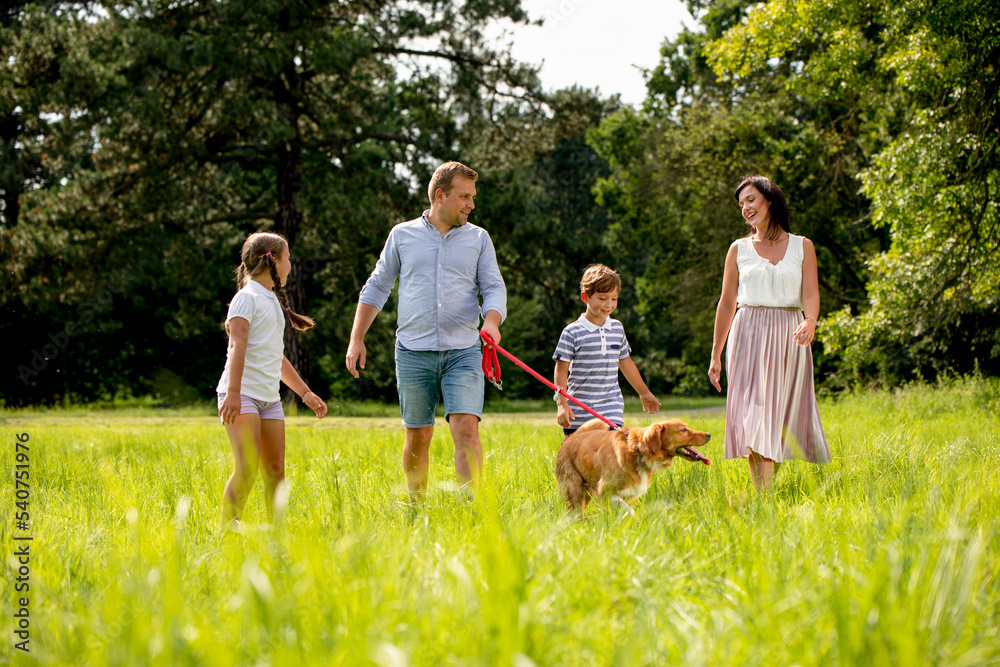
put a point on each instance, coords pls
(590, 326)
(427, 222)
(260, 289)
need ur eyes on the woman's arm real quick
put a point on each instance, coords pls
(724, 315)
(810, 294)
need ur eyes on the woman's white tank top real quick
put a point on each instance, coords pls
(764, 284)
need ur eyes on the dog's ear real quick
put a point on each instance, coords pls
(668, 435)
(652, 438)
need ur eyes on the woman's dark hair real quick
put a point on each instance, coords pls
(777, 206)
(260, 253)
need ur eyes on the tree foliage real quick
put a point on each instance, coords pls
(140, 142)
(677, 160)
(879, 122)
(925, 76)
(546, 225)
(180, 128)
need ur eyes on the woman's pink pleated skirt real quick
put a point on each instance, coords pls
(771, 402)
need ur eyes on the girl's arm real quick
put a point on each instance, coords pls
(294, 382)
(564, 413)
(631, 373)
(810, 295)
(724, 315)
(239, 330)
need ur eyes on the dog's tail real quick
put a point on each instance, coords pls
(571, 482)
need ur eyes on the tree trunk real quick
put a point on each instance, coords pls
(286, 222)
(297, 353)
(12, 180)
(288, 218)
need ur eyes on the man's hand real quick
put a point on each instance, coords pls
(493, 333)
(491, 325)
(355, 355)
(363, 319)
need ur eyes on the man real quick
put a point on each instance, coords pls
(443, 264)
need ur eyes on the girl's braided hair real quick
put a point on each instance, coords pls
(261, 252)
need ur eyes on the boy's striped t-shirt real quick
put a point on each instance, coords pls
(593, 354)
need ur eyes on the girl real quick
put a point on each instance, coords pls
(249, 404)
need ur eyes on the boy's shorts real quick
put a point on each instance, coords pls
(423, 377)
(263, 409)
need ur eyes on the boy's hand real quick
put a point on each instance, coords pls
(649, 403)
(564, 416)
(316, 403)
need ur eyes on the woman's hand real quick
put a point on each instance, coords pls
(806, 332)
(316, 403)
(714, 372)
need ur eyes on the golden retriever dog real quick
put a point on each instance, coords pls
(618, 465)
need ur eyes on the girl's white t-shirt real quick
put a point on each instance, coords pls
(764, 284)
(265, 344)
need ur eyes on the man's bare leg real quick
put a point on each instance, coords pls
(416, 459)
(468, 449)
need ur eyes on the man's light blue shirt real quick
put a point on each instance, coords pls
(440, 280)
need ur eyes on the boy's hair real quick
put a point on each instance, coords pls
(260, 253)
(445, 174)
(600, 278)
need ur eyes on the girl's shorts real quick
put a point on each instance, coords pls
(263, 409)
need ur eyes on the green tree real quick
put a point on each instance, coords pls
(315, 119)
(676, 161)
(535, 198)
(925, 74)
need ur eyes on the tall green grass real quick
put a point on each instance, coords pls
(888, 555)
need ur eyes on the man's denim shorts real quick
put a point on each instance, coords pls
(423, 377)
(263, 409)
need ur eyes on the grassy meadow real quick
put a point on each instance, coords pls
(889, 555)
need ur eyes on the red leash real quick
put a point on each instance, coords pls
(491, 367)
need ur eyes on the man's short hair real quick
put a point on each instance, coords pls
(445, 174)
(600, 278)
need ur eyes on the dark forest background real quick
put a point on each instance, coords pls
(140, 142)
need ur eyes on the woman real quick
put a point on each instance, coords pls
(769, 280)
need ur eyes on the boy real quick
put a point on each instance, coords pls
(590, 352)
